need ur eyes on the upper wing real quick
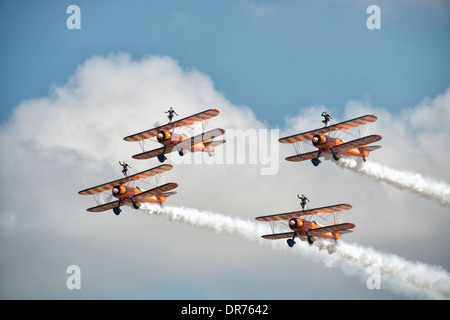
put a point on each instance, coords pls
(343, 227)
(289, 215)
(104, 207)
(137, 176)
(357, 143)
(211, 134)
(338, 126)
(277, 236)
(188, 121)
(155, 191)
(153, 153)
(303, 156)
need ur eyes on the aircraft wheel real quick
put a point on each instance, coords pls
(315, 161)
(181, 153)
(117, 211)
(290, 242)
(161, 157)
(335, 157)
(135, 205)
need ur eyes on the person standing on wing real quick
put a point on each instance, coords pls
(327, 118)
(303, 199)
(170, 112)
(125, 167)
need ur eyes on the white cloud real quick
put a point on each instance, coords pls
(57, 145)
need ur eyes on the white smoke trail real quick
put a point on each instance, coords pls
(429, 188)
(412, 279)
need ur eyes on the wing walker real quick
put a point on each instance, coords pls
(126, 191)
(306, 229)
(323, 140)
(327, 143)
(172, 141)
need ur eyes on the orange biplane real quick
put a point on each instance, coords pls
(128, 195)
(307, 230)
(172, 141)
(322, 140)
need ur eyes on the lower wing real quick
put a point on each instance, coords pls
(277, 236)
(303, 156)
(153, 153)
(104, 207)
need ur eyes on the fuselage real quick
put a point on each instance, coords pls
(168, 138)
(125, 194)
(326, 143)
(301, 227)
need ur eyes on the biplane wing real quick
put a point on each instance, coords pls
(104, 207)
(155, 191)
(211, 134)
(345, 125)
(357, 143)
(188, 121)
(137, 176)
(289, 215)
(153, 153)
(303, 156)
(341, 228)
(216, 143)
(369, 148)
(277, 236)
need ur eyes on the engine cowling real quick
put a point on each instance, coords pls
(295, 223)
(163, 135)
(118, 190)
(319, 139)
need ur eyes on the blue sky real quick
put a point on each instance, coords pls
(273, 56)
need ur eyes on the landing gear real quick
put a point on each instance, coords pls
(291, 242)
(161, 157)
(117, 210)
(335, 157)
(310, 240)
(135, 204)
(180, 152)
(316, 161)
